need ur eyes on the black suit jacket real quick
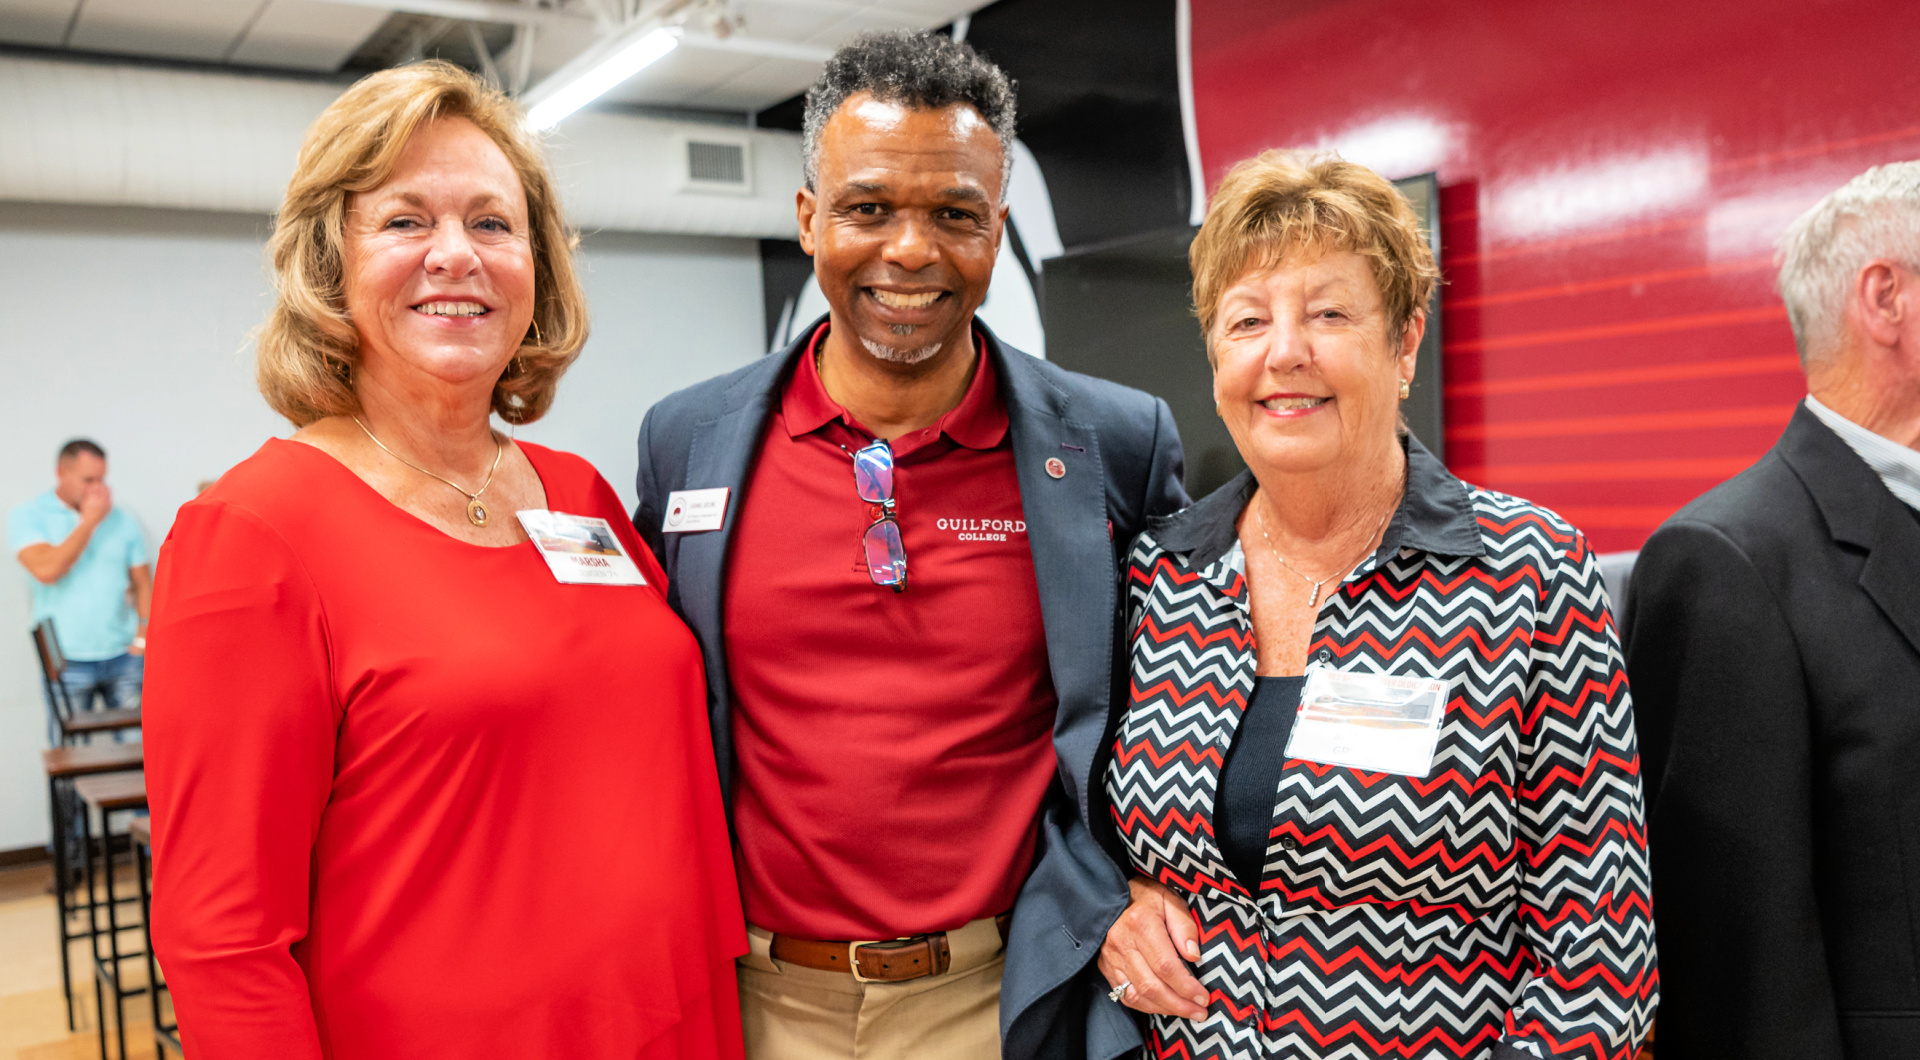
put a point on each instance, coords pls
(1773, 641)
(1123, 465)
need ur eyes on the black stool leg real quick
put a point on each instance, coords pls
(113, 938)
(93, 929)
(60, 894)
(146, 931)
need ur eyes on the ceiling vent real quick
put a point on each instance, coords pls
(718, 164)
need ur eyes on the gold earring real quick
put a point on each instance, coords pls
(1406, 389)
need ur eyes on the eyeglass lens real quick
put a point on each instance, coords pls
(886, 556)
(873, 481)
(873, 473)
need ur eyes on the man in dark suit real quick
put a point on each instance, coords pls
(898, 543)
(1773, 640)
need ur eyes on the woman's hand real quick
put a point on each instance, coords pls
(1149, 947)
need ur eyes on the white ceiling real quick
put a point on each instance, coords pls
(310, 35)
(696, 77)
(320, 35)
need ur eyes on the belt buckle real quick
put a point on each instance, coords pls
(853, 963)
(853, 957)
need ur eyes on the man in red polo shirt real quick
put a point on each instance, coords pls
(897, 542)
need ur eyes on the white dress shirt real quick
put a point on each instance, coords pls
(1897, 465)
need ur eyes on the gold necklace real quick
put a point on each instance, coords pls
(476, 512)
(1261, 514)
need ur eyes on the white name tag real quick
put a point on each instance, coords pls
(1370, 722)
(580, 550)
(692, 510)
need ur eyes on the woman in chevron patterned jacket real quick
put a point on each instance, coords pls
(1376, 778)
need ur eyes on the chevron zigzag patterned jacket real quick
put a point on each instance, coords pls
(1499, 906)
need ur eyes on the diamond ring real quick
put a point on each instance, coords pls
(1119, 993)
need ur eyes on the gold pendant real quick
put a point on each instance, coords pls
(476, 513)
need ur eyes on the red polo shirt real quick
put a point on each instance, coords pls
(893, 748)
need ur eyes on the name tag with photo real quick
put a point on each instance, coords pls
(580, 550)
(690, 511)
(1370, 722)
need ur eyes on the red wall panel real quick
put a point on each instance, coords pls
(1613, 177)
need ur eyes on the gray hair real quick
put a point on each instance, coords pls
(1875, 216)
(922, 70)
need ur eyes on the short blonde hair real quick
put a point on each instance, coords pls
(308, 347)
(1279, 202)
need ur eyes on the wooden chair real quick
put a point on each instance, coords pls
(108, 794)
(70, 723)
(166, 1027)
(65, 766)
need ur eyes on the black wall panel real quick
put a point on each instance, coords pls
(1099, 107)
(1120, 311)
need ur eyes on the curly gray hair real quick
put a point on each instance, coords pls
(1876, 215)
(923, 70)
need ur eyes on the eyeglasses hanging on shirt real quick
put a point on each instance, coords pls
(873, 481)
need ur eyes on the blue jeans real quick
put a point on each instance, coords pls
(104, 684)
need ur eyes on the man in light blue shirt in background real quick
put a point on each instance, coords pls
(88, 562)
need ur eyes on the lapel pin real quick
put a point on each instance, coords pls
(1056, 468)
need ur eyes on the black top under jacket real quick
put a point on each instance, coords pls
(1773, 641)
(1243, 804)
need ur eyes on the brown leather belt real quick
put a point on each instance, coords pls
(890, 961)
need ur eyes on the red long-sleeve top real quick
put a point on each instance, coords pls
(413, 797)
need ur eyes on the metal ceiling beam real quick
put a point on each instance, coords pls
(501, 11)
(762, 46)
(509, 13)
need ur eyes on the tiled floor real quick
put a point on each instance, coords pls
(33, 1017)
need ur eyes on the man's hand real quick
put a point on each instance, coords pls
(48, 563)
(1145, 948)
(95, 504)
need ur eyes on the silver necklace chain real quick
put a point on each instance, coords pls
(476, 512)
(1261, 514)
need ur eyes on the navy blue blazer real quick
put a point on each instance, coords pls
(1123, 466)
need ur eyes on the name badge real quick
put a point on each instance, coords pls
(693, 510)
(580, 550)
(1370, 722)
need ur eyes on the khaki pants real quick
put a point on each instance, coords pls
(794, 1013)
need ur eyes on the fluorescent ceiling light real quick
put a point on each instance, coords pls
(593, 75)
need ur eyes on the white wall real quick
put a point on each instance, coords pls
(668, 311)
(130, 326)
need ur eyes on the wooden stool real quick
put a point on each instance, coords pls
(108, 794)
(71, 725)
(64, 765)
(166, 1032)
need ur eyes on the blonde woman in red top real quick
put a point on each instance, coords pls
(418, 790)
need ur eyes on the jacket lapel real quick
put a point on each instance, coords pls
(1861, 511)
(1073, 560)
(1892, 573)
(720, 453)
